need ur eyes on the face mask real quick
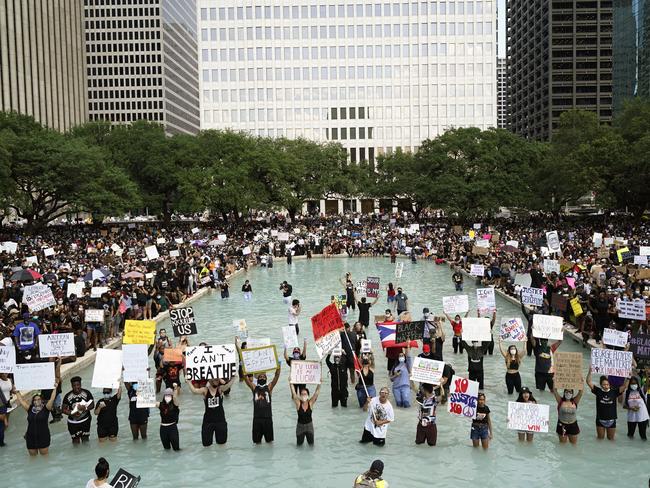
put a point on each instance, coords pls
(513, 352)
(634, 387)
(107, 395)
(402, 359)
(134, 386)
(261, 381)
(568, 395)
(296, 355)
(304, 398)
(475, 343)
(38, 406)
(606, 389)
(168, 398)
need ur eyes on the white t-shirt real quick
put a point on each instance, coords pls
(635, 400)
(293, 316)
(382, 411)
(5, 386)
(91, 484)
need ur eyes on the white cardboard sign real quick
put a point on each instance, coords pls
(455, 304)
(427, 370)
(528, 417)
(34, 376)
(476, 329)
(477, 270)
(289, 337)
(108, 368)
(55, 345)
(94, 315)
(7, 359)
(613, 337)
(485, 299)
(547, 327)
(136, 362)
(259, 359)
(305, 372)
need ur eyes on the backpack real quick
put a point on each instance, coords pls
(363, 482)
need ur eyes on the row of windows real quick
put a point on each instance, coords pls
(347, 32)
(124, 94)
(122, 24)
(105, 47)
(121, 12)
(421, 92)
(343, 113)
(127, 117)
(345, 72)
(386, 9)
(128, 105)
(122, 35)
(119, 59)
(112, 3)
(346, 52)
(125, 70)
(121, 82)
(351, 133)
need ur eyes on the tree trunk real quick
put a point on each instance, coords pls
(292, 213)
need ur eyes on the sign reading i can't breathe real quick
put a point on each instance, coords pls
(183, 321)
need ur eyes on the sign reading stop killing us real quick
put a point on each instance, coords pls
(183, 321)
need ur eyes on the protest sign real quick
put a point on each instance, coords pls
(427, 370)
(135, 360)
(94, 315)
(173, 355)
(366, 346)
(631, 309)
(603, 252)
(38, 296)
(551, 266)
(613, 337)
(98, 291)
(477, 270)
(485, 300)
(183, 321)
(283, 236)
(210, 362)
(559, 302)
(246, 251)
(476, 329)
(2, 282)
(409, 331)
(139, 332)
(259, 359)
(174, 253)
(639, 346)
(252, 342)
(151, 252)
(145, 396)
(379, 319)
(476, 226)
(576, 307)
(547, 327)
(34, 376)
(623, 254)
(482, 243)
(512, 243)
(644, 250)
(124, 479)
(7, 359)
(455, 304)
(532, 296)
(29, 260)
(463, 397)
(512, 330)
(399, 270)
(480, 251)
(553, 241)
(568, 370)
(48, 252)
(597, 239)
(108, 368)
(641, 260)
(161, 240)
(457, 229)
(372, 287)
(289, 337)
(360, 288)
(195, 230)
(56, 345)
(240, 329)
(326, 326)
(305, 372)
(611, 362)
(528, 417)
(9, 247)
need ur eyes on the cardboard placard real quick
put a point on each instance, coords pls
(399, 270)
(576, 308)
(476, 329)
(455, 304)
(151, 252)
(94, 315)
(252, 342)
(289, 337)
(7, 358)
(210, 362)
(124, 479)
(532, 296)
(372, 287)
(259, 359)
(326, 326)
(639, 346)
(173, 355)
(305, 372)
(76, 289)
(568, 370)
(183, 321)
(551, 266)
(146, 395)
(427, 370)
(486, 300)
(559, 302)
(135, 361)
(34, 376)
(553, 241)
(108, 368)
(98, 291)
(38, 296)
(613, 337)
(547, 327)
(477, 270)
(632, 309)
(139, 332)
(463, 397)
(56, 345)
(611, 362)
(240, 329)
(528, 417)
(366, 345)
(408, 331)
(512, 330)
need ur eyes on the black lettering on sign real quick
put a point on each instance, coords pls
(409, 331)
(183, 321)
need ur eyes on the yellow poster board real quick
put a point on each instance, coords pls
(139, 332)
(575, 306)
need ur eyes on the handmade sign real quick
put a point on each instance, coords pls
(485, 300)
(457, 229)
(252, 342)
(407, 331)
(576, 307)
(568, 370)
(360, 288)
(139, 332)
(476, 329)
(639, 346)
(146, 394)
(48, 252)
(532, 296)
(7, 359)
(173, 355)
(94, 315)
(553, 241)
(399, 270)
(463, 397)
(124, 479)
(455, 304)
(305, 372)
(477, 270)
(56, 345)
(641, 260)
(597, 239)
(183, 321)
(624, 254)
(211, 362)
(289, 337)
(632, 309)
(551, 266)
(559, 302)
(259, 359)
(512, 330)
(485, 243)
(108, 368)
(240, 328)
(427, 370)
(98, 291)
(603, 252)
(366, 345)
(528, 417)
(644, 250)
(611, 362)
(34, 376)
(613, 337)
(326, 326)
(135, 360)
(76, 289)
(38, 296)
(282, 236)
(372, 287)
(547, 327)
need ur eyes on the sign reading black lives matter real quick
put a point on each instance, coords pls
(409, 331)
(183, 321)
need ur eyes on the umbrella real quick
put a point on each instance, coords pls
(97, 274)
(25, 275)
(133, 275)
(509, 249)
(49, 277)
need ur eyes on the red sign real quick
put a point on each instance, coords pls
(326, 321)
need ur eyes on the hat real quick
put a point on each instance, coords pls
(168, 391)
(377, 466)
(426, 348)
(525, 389)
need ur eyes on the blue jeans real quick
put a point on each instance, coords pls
(402, 395)
(362, 397)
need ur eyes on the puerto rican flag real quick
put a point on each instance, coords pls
(387, 335)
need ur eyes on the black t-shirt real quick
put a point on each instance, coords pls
(605, 403)
(364, 312)
(246, 288)
(543, 359)
(168, 412)
(213, 408)
(108, 414)
(288, 289)
(457, 278)
(482, 415)
(262, 403)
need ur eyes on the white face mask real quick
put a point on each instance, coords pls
(568, 395)
(168, 398)
(634, 387)
(513, 352)
(402, 359)
(304, 398)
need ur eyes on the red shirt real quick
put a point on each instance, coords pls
(458, 327)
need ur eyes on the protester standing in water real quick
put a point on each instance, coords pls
(37, 437)
(262, 408)
(305, 405)
(214, 426)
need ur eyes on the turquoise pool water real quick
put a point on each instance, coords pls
(336, 457)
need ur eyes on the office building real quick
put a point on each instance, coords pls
(42, 70)
(502, 105)
(142, 62)
(374, 76)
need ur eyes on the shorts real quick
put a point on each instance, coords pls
(428, 433)
(479, 431)
(391, 299)
(567, 429)
(109, 429)
(607, 424)
(82, 429)
(262, 428)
